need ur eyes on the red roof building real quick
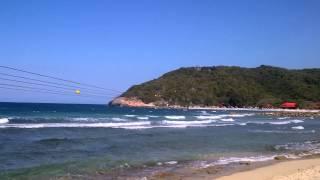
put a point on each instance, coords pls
(289, 105)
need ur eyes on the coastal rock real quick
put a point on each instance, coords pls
(130, 102)
(280, 158)
(302, 113)
(244, 163)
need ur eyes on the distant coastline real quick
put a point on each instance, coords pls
(136, 103)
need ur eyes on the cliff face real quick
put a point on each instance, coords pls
(228, 86)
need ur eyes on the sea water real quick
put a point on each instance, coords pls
(50, 140)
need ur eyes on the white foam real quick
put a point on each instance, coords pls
(286, 122)
(276, 122)
(228, 120)
(81, 119)
(301, 149)
(190, 125)
(130, 115)
(171, 162)
(208, 117)
(123, 125)
(282, 131)
(224, 116)
(297, 121)
(118, 119)
(152, 116)
(129, 125)
(225, 161)
(188, 122)
(298, 128)
(4, 120)
(204, 112)
(240, 115)
(143, 118)
(175, 117)
(244, 159)
(282, 118)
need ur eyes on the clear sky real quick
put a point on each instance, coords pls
(116, 43)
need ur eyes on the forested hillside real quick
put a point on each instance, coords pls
(231, 86)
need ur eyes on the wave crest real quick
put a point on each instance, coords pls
(131, 125)
(4, 120)
(175, 117)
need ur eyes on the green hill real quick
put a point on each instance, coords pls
(231, 86)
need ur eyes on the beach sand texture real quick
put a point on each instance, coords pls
(290, 170)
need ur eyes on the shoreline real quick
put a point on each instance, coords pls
(277, 112)
(136, 103)
(286, 169)
(228, 109)
(292, 169)
(256, 109)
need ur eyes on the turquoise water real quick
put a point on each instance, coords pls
(48, 140)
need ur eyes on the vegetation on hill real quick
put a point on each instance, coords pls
(231, 86)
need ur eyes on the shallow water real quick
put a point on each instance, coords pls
(57, 139)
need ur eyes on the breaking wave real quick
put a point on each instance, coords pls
(81, 119)
(131, 125)
(281, 118)
(152, 116)
(224, 161)
(190, 125)
(209, 117)
(175, 117)
(289, 151)
(224, 116)
(130, 115)
(188, 122)
(4, 120)
(286, 122)
(118, 119)
(275, 122)
(300, 149)
(228, 120)
(298, 128)
(143, 118)
(282, 131)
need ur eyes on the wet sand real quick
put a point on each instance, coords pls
(308, 169)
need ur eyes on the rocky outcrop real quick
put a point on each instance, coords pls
(130, 102)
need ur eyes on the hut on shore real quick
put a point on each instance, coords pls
(289, 105)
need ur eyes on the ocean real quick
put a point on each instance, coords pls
(40, 141)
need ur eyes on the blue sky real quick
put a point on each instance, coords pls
(116, 43)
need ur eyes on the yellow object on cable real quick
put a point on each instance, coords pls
(77, 91)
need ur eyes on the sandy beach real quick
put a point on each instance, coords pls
(290, 170)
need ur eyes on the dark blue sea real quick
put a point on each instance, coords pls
(40, 141)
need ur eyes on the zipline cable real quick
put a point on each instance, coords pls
(29, 90)
(49, 82)
(51, 91)
(56, 78)
(39, 84)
